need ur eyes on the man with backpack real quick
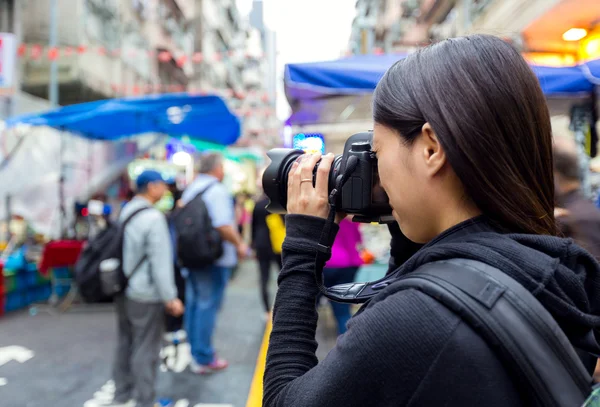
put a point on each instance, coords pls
(209, 245)
(148, 265)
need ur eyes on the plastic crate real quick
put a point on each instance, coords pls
(22, 281)
(62, 273)
(16, 261)
(9, 283)
(43, 279)
(31, 278)
(42, 293)
(15, 300)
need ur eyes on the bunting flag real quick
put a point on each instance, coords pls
(260, 98)
(36, 51)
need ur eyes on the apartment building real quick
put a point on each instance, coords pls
(104, 48)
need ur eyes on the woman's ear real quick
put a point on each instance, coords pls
(433, 153)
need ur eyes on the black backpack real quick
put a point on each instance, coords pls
(106, 246)
(514, 323)
(199, 244)
(526, 338)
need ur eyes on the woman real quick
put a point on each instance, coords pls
(342, 267)
(463, 140)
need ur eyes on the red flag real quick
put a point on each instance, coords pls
(36, 51)
(164, 56)
(22, 50)
(53, 54)
(197, 57)
(181, 60)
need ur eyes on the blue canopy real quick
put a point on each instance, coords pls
(200, 117)
(352, 75)
(591, 70)
(563, 81)
(360, 74)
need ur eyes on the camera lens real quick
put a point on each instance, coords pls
(275, 177)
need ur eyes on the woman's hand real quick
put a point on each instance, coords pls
(303, 198)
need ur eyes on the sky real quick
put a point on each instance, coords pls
(307, 30)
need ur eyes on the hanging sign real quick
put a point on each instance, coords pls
(310, 143)
(8, 53)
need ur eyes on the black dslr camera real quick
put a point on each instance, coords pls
(361, 194)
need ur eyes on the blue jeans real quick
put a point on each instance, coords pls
(204, 293)
(335, 276)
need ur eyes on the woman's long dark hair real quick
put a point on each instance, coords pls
(489, 113)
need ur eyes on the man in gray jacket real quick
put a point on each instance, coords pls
(151, 289)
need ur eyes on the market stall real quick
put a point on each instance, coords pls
(52, 187)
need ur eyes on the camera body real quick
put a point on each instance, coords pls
(361, 195)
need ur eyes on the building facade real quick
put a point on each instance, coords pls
(104, 48)
(535, 27)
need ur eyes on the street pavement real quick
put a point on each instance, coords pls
(54, 359)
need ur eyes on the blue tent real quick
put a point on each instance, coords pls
(352, 75)
(360, 74)
(591, 70)
(563, 81)
(200, 117)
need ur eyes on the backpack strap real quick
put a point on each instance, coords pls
(125, 221)
(203, 191)
(122, 237)
(512, 321)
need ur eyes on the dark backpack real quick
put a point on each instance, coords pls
(199, 244)
(514, 323)
(106, 246)
(526, 338)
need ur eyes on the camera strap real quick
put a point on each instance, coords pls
(351, 293)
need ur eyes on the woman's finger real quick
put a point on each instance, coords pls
(306, 170)
(293, 184)
(322, 183)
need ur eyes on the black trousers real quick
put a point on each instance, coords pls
(172, 323)
(265, 260)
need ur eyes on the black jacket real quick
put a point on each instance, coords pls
(407, 349)
(261, 239)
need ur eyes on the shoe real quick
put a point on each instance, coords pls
(216, 365)
(175, 337)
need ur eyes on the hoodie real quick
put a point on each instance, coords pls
(404, 348)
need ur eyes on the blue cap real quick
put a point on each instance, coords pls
(148, 177)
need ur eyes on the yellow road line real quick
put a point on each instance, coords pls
(256, 389)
